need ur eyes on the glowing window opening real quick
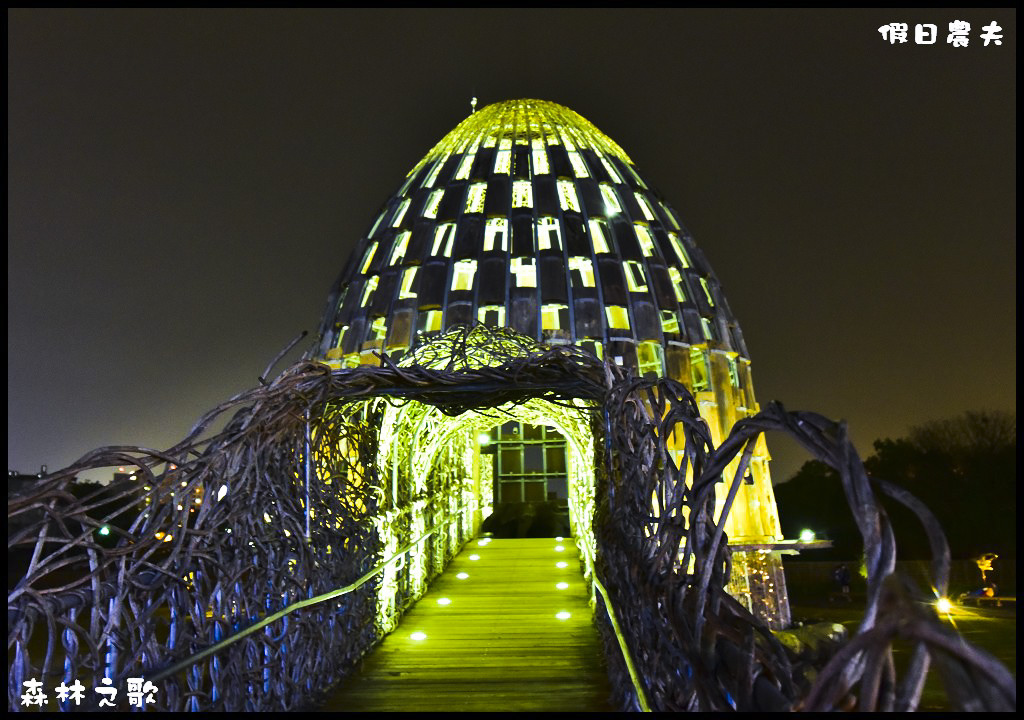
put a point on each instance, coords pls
(549, 233)
(705, 326)
(503, 162)
(699, 375)
(611, 201)
(707, 291)
(525, 272)
(566, 140)
(522, 194)
(618, 317)
(599, 235)
(493, 315)
(492, 139)
(648, 357)
(443, 234)
(581, 269)
(368, 257)
(378, 329)
(341, 336)
(645, 207)
(401, 246)
(430, 211)
(677, 245)
(594, 348)
(567, 196)
(408, 276)
(400, 213)
(540, 162)
(669, 321)
(643, 236)
(505, 144)
(432, 177)
(496, 234)
(371, 285)
(554, 317)
(429, 321)
(635, 279)
(616, 178)
(462, 276)
(465, 166)
(475, 198)
(677, 283)
(734, 373)
(578, 166)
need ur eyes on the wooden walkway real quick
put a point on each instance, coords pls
(493, 641)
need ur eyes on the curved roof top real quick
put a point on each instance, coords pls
(527, 216)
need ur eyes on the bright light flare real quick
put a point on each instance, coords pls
(807, 536)
(944, 606)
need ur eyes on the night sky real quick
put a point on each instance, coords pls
(184, 187)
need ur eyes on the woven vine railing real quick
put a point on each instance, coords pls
(303, 492)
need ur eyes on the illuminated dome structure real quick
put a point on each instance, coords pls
(527, 216)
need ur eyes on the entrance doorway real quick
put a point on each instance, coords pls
(531, 481)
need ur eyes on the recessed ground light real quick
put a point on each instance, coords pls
(474, 557)
(559, 548)
(563, 615)
(562, 586)
(462, 576)
(559, 539)
(562, 564)
(444, 601)
(420, 636)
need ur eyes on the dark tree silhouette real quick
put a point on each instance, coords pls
(964, 468)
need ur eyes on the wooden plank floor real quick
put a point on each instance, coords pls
(497, 645)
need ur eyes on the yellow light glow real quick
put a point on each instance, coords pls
(418, 636)
(806, 536)
(563, 615)
(943, 605)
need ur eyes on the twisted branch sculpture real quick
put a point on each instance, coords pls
(287, 502)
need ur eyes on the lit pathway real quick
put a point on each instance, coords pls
(497, 644)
